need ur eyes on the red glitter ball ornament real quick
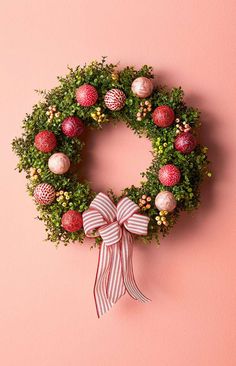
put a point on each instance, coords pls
(185, 142)
(169, 175)
(163, 116)
(44, 194)
(115, 99)
(72, 221)
(45, 141)
(72, 126)
(86, 95)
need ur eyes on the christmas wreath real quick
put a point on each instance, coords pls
(49, 151)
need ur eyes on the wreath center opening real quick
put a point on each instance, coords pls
(113, 158)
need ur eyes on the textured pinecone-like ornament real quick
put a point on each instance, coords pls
(44, 194)
(115, 99)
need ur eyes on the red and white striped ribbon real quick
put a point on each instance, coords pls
(115, 225)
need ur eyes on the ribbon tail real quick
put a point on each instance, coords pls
(127, 264)
(115, 286)
(103, 304)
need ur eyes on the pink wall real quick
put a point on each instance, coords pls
(47, 314)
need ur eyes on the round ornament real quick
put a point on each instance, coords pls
(163, 116)
(45, 141)
(165, 201)
(86, 95)
(72, 126)
(142, 87)
(115, 99)
(59, 163)
(185, 143)
(72, 221)
(169, 175)
(44, 194)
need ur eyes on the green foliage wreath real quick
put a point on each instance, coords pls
(71, 194)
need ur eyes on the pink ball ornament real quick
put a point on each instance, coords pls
(86, 95)
(115, 99)
(165, 201)
(169, 175)
(44, 194)
(185, 143)
(142, 87)
(163, 116)
(59, 163)
(72, 126)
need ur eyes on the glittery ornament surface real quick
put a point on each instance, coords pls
(165, 201)
(44, 194)
(163, 116)
(59, 163)
(142, 87)
(45, 141)
(72, 221)
(72, 126)
(169, 175)
(115, 99)
(185, 143)
(86, 95)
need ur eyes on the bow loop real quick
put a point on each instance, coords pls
(137, 224)
(125, 209)
(105, 206)
(92, 220)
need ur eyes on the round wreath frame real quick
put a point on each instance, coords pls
(75, 195)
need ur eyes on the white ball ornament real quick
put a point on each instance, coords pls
(165, 201)
(115, 99)
(44, 194)
(59, 163)
(142, 87)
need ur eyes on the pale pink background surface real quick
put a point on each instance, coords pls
(47, 313)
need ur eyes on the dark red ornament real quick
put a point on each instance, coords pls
(45, 141)
(185, 142)
(169, 175)
(163, 116)
(86, 95)
(72, 126)
(72, 221)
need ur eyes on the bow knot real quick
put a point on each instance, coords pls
(115, 225)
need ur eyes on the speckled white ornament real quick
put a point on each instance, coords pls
(59, 163)
(115, 99)
(165, 201)
(44, 194)
(142, 87)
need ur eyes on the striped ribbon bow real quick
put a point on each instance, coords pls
(115, 225)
